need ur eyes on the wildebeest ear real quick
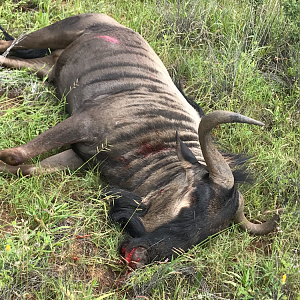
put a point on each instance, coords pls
(184, 154)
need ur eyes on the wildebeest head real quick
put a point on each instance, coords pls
(213, 197)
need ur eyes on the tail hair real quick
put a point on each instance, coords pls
(24, 53)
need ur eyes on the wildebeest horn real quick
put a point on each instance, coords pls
(219, 170)
(263, 228)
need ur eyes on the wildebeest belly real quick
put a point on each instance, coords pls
(140, 142)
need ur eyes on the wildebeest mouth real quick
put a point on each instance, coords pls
(136, 257)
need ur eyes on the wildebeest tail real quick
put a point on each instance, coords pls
(26, 53)
(7, 36)
(237, 162)
(190, 100)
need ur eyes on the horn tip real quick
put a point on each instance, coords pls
(243, 119)
(260, 123)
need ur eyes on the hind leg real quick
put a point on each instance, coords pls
(61, 34)
(4, 45)
(42, 66)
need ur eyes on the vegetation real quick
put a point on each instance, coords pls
(241, 55)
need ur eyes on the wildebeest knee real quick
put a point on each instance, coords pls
(13, 156)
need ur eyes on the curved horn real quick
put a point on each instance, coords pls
(258, 229)
(218, 168)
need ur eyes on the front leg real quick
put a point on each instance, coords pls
(61, 161)
(72, 130)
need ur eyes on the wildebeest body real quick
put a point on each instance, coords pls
(115, 87)
(119, 94)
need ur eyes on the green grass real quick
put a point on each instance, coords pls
(241, 56)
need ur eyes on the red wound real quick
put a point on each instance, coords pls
(148, 149)
(123, 251)
(108, 38)
(128, 257)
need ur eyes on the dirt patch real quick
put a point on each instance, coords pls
(11, 99)
(28, 6)
(81, 260)
(263, 245)
(5, 222)
(10, 94)
(106, 277)
(82, 247)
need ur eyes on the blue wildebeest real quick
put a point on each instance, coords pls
(175, 190)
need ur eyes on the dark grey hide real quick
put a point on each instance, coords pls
(173, 193)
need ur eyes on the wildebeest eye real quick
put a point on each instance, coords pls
(193, 199)
(202, 191)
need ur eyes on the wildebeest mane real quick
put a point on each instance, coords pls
(190, 100)
(234, 160)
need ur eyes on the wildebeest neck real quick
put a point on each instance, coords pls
(167, 202)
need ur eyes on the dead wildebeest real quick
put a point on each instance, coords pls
(173, 192)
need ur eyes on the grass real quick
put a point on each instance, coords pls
(243, 56)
